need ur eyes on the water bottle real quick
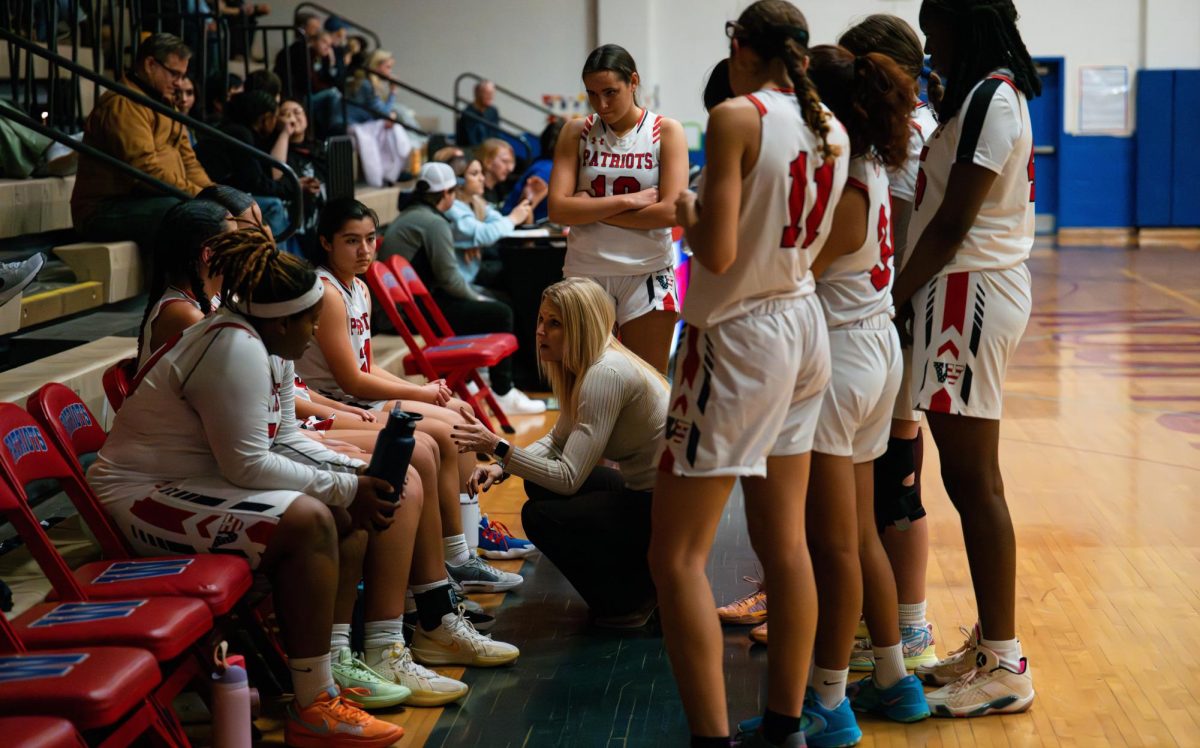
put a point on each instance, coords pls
(393, 450)
(231, 710)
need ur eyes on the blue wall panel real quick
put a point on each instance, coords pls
(1155, 139)
(1097, 182)
(1185, 200)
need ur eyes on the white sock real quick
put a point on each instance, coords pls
(310, 677)
(913, 614)
(340, 639)
(457, 550)
(830, 685)
(889, 665)
(379, 638)
(1008, 650)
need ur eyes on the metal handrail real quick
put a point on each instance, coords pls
(295, 218)
(353, 24)
(459, 98)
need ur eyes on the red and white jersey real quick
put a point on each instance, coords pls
(172, 295)
(992, 130)
(611, 165)
(313, 367)
(858, 286)
(212, 402)
(784, 218)
(921, 124)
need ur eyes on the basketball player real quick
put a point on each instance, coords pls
(752, 368)
(899, 515)
(340, 366)
(966, 290)
(615, 179)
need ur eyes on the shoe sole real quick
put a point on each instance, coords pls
(910, 663)
(930, 679)
(11, 293)
(434, 698)
(1013, 705)
(507, 555)
(374, 703)
(442, 658)
(489, 586)
(742, 620)
(312, 740)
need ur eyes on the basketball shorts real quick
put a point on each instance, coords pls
(856, 412)
(966, 329)
(747, 389)
(637, 295)
(201, 515)
(903, 410)
(345, 399)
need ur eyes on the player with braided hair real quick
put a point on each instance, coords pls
(755, 340)
(201, 459)
(967, 291)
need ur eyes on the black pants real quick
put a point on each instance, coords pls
(598, 538)
(469, 317)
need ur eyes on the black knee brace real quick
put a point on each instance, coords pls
(895, 503)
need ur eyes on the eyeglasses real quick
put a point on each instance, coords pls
(733, 30)
(175, 74)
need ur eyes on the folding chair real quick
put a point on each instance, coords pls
(457, 359)
(118, 382)
(41, 732)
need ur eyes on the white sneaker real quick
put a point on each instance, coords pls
(515, 402)
(992, 687)
(456, 642)
(15, 276)
(955, 665)
(428, 688)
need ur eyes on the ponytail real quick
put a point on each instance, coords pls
(814, 114)
(871, 96)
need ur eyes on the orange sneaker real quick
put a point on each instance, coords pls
(331, 722)
(751, 608)
(758, 634)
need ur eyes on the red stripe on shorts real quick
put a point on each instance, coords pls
(954, 311)
(160, 515)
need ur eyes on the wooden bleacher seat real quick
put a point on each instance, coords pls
(80, 368)
(116, 265)
(33, 206)
(380, 199)
(62, 301)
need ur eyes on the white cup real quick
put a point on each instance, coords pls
(470, 519)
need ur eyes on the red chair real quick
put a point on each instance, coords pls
(96, 688)
(457, 359)
(40, 732)
(220, 581)
(118, 382)
(425, 305)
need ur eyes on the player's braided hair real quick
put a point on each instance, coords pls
(776, 29)
(892, 36)
(987, 38)
(870, 95)
(253, 269)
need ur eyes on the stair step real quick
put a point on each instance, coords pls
(60, 301)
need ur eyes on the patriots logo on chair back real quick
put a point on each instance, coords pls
(23, 441)
(27, 667)
(74, 417)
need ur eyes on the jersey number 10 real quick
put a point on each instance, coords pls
(621, 186)
(823, 177)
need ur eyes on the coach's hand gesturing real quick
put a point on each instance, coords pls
(473, 436)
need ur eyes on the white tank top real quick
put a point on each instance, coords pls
(858, 286)
(312, 366)
(172, 295)
(611, 165)
(921, 124)
(786, 209)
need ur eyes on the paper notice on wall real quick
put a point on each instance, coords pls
(1104, 99)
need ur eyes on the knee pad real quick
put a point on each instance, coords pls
(896, 504)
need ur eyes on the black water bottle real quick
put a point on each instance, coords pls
(393, 450)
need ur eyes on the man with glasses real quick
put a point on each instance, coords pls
(108, 205)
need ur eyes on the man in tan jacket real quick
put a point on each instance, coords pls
(107, 205)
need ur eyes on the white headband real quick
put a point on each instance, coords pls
(280, 308)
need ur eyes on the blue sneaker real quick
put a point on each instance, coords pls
(904, 701)
(830, 728)
(496, 541)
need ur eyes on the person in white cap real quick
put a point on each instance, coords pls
(421, 234)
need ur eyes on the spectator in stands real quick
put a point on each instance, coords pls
(534, 183)
(478, 120)
(338, 33)
(308, 25)
(356, 51)
(422, 235)
(383, 143)
(614, 406)
(307, 158)
(498, 162)
(263, 80)
(477, 226)
(217, 91)
(242, 17)
(107, 205)
(447, 153)
(185, 101)
(16, 276)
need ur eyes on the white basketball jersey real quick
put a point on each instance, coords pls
(992, 130)
(786, 210)
(172, 295)
(858, 286)
(611, 165)
(312, 366)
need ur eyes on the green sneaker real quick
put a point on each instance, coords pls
(371, 690)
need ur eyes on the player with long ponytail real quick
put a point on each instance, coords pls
(752, 368)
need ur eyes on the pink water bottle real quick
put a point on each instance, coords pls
(231, 720)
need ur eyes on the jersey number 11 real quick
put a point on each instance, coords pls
(823, 177)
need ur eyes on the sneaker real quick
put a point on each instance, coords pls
(331, 722)
(515, 402)
(862, 632)
(497, 541)
(750, 736)
(903, 701)
(15, 276)
(751, 608)
(992, 687)
(957, 664)
(477, 575)
(479, 618)
(428, 688)
(362, 686)
(830, 728)
(917, 645)
(758, 634)
(456, 642)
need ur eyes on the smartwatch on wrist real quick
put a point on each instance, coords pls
(502, 450)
